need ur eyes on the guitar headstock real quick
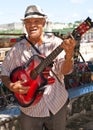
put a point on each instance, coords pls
(82, 28)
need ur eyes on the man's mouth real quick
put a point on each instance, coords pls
(33, 30)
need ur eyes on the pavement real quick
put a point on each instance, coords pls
(80, 113)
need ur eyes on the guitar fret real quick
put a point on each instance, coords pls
(48, 60)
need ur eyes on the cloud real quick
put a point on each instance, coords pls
(75, 15)
(90, 11)
(1, 13)
(77, 1)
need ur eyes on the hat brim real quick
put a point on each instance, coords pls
(34, 16)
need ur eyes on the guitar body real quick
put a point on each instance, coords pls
(35, 92)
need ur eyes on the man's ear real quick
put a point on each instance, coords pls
(44, 21)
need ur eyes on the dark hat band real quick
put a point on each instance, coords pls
(34, 13)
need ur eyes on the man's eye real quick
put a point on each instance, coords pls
(37, 22)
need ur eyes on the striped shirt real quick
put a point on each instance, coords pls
(55, 95)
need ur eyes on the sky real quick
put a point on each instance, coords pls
(64, 11)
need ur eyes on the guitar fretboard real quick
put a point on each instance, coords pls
(48, 60)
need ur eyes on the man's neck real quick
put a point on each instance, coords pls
(36, 40)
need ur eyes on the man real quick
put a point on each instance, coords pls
(50, 111)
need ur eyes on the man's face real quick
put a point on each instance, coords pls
(34, 27)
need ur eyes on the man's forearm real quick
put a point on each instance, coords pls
(6, 81)
(67, 66)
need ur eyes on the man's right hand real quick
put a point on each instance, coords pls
(16, 87)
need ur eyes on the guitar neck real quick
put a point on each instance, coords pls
(48, 60)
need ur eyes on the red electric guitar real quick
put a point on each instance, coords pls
(36, 71)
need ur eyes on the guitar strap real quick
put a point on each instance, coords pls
(35, 48)
(32, 45)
